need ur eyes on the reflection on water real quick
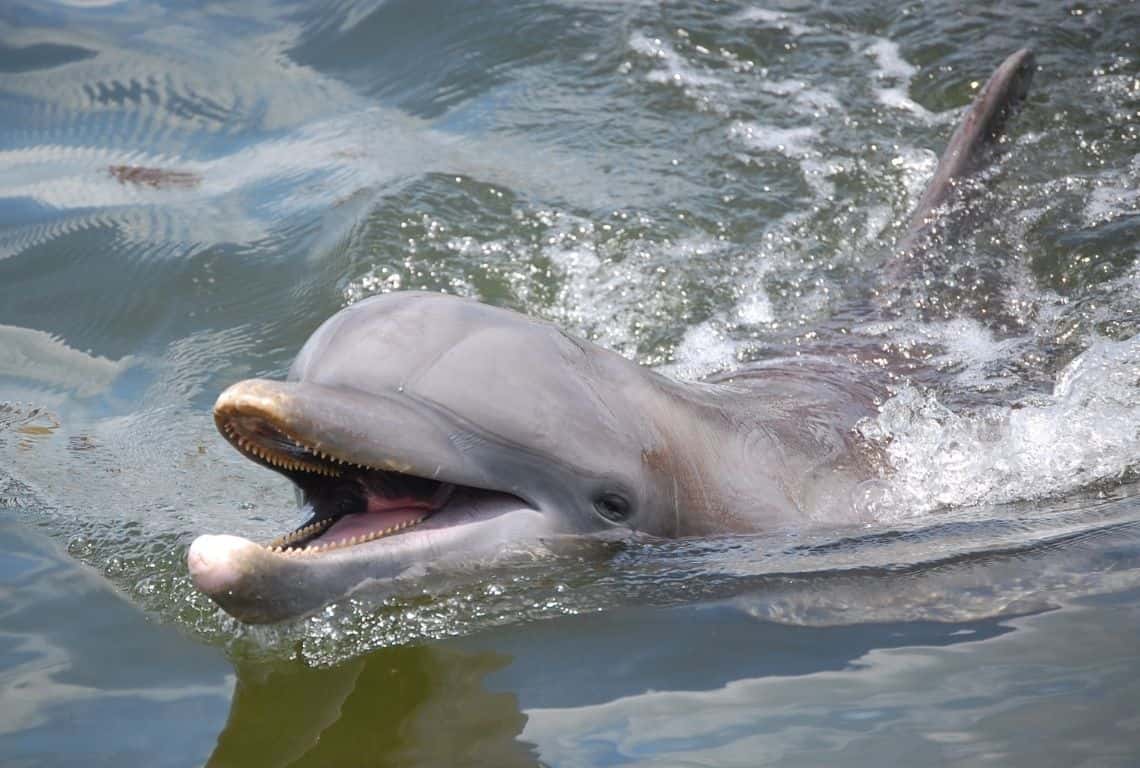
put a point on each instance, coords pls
(726, 690)
(86, 678)
(399, 706)
(187, 191)
(1026, 698)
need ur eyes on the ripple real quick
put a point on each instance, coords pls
(184, 197)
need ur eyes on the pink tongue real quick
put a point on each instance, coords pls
(382, 514)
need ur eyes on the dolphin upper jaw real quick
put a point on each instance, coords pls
(349, 427)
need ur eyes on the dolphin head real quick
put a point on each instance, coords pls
(420, 428)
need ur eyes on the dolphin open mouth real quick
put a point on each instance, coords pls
(388, 490)
(348, 503)
(349, 499)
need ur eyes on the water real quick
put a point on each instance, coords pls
(186, 191)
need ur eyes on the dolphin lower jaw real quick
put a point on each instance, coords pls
(257, 585)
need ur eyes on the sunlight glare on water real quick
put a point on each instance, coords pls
(764, 182)
(185, 194)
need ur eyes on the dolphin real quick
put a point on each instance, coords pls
(423, 429)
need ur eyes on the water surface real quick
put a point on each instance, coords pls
(188, 190)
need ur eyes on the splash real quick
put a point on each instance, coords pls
(1086, 432)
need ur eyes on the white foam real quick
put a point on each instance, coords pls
(797, 143)
(777, 20)
(1086, 432)
(703, 349)
(879, 220)
(917, 167)
(965, 343)
(674, 69)
(813, 98)
(712, 345)
(897, 98)
(1116, 195)
(970, 342)
(791, 142)
(893, 73)
(887, 55)
(755, 308)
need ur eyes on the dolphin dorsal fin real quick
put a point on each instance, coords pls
(970, 147)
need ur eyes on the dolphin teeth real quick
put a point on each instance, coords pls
(282, 545)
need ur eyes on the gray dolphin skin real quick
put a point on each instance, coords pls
(426, 430)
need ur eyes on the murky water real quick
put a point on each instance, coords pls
(187, 191)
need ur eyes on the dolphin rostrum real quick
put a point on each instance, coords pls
(425, 429)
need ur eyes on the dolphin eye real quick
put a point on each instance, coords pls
(612, 507)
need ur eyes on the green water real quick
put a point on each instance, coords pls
(188, 190)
